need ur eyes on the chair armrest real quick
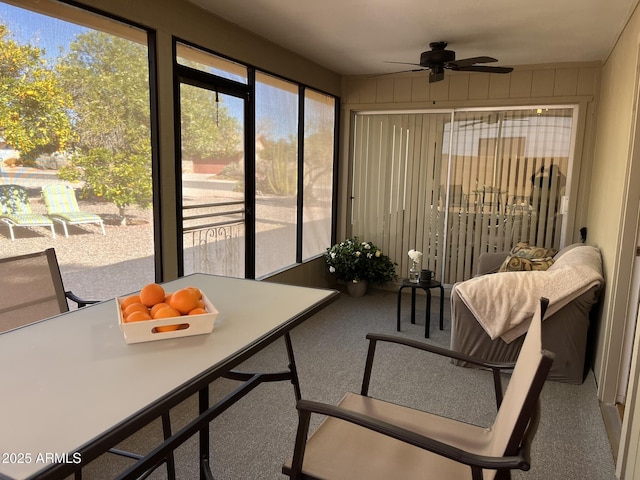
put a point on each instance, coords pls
(307, 407)
(495, 367)
(380, 337)
(81, 302)
(490, 262)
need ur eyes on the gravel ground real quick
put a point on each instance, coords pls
(100, 267)
(94, 266)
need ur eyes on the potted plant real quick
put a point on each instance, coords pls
(359, 264)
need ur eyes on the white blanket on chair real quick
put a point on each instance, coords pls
(504, 303)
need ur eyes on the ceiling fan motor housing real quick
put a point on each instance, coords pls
(436, 57)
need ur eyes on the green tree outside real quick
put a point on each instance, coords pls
(33, 103)
(208, 130)
(108, 79)
(318, 153)
(276, 165)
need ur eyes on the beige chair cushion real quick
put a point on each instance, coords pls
(362, 454)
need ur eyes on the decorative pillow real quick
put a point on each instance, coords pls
(524, 250)
(513, 263)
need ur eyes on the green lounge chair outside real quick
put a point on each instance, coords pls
(62, 207)
(15, 210)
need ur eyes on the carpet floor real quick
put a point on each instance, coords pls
(253, 438)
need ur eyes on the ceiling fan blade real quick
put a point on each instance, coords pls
(406, 63)
(481, 68)
(401, 71)
(465, 62)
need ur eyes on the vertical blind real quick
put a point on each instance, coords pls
(456, 184)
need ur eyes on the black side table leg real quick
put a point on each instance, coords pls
(413, 305)
(441, 307)
(399, 305)
(427, 318)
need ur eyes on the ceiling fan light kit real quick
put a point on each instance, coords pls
(436, 73)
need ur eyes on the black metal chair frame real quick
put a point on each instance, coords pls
(527, 423)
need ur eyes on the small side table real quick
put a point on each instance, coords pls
(426, 286)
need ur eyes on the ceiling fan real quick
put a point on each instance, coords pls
(438, 59)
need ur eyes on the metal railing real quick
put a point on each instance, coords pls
(237, 214)
(215, 235)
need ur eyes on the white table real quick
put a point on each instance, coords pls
(71, 385)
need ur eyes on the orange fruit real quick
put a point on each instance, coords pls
(134, 307)
(151, 294)
(157, 307)
(196, 291)
(125, 302)
(167, 297)
(184, 300)
(166, 312)
(137, 317)
(197, 311)
(167, 328)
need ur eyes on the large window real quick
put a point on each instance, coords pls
(277, 160)
(319, 114)
(75, 111)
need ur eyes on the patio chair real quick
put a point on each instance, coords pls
(364, 437)
(15, 210)
(62, 207)
(32, 290)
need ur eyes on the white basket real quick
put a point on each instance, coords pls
(146, 330)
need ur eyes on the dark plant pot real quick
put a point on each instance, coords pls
(357, 289)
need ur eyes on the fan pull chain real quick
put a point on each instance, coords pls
(217, 110)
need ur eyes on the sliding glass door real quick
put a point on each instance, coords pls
(512, 167)
(458, 183)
